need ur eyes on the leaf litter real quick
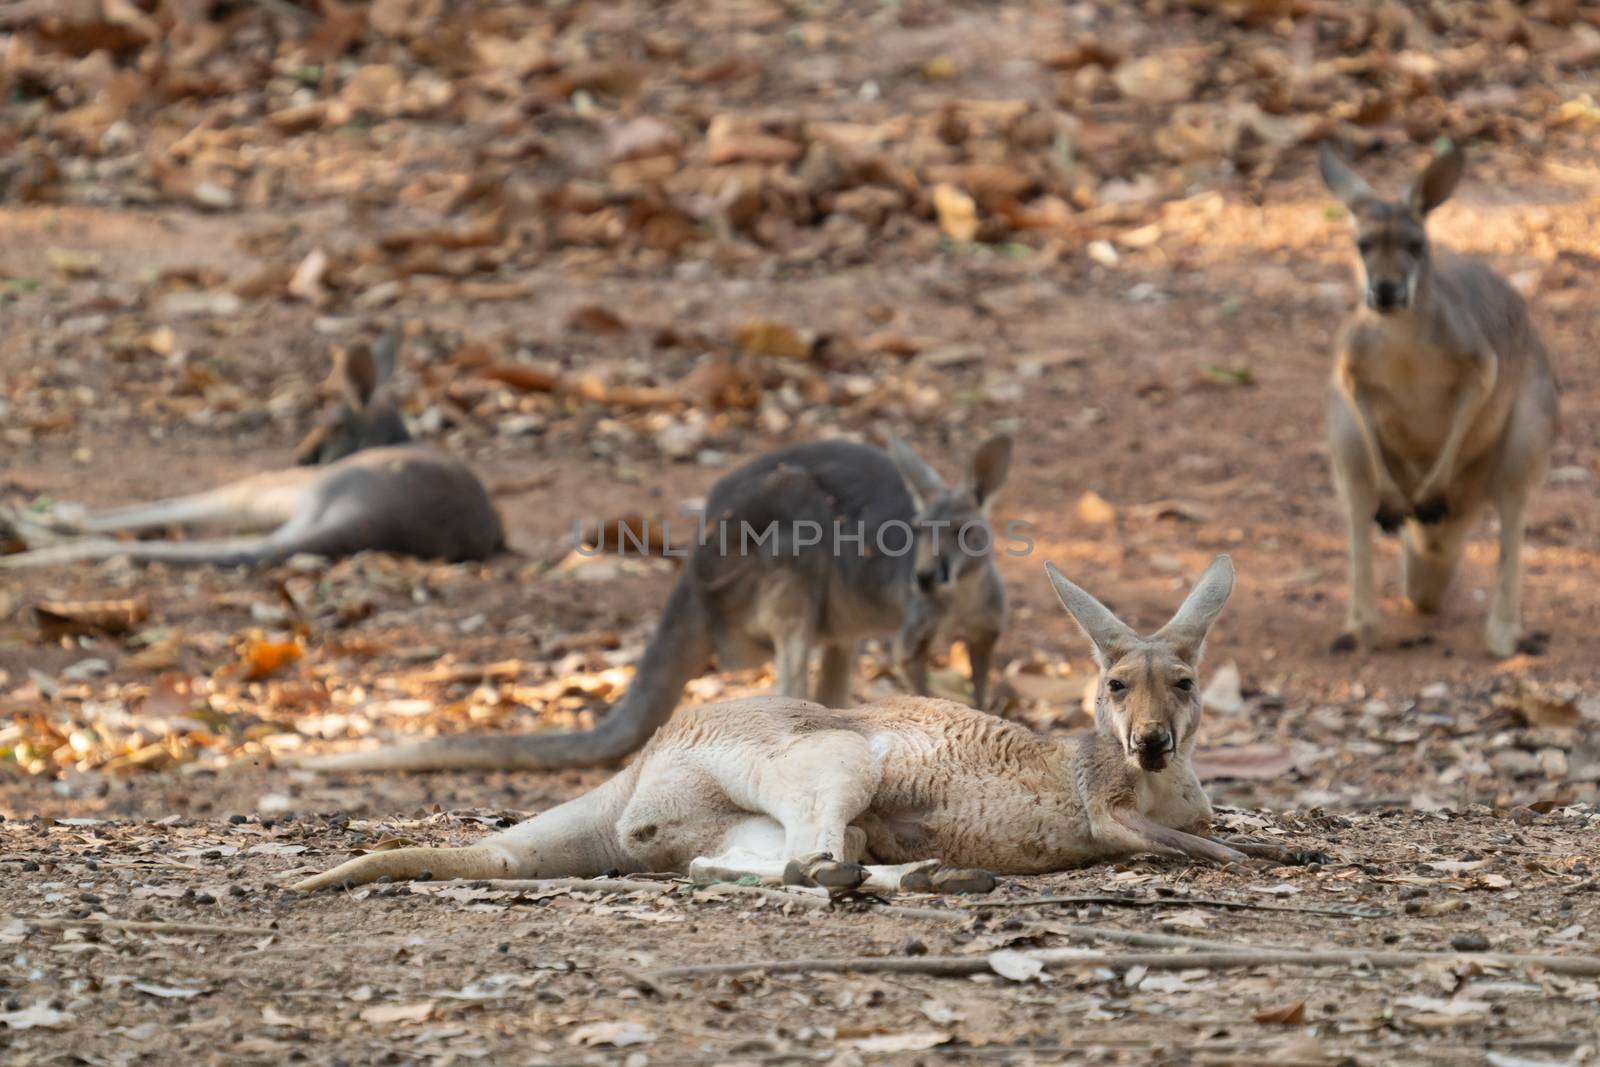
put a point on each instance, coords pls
(319, 166)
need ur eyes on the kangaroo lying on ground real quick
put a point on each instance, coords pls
(864, 544)
(362, 485)
(1443, 402)
(906, 793)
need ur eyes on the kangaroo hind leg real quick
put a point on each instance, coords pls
(834, 674)
(257, 503)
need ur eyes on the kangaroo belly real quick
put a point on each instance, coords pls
(1032, 836)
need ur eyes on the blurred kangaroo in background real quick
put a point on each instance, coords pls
(362, 485)
(864, 544)
(1443, 402)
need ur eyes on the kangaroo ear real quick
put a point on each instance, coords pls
(1188, 628)
(990, 465)
(1341, 181)
(1434, 185)
(1110, 636)
(357, 372)
(384, 354)
(922, 480)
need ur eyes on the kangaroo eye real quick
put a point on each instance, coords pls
(1184, 684)
(1416, 248)
(1364, 245)
(1115, 686)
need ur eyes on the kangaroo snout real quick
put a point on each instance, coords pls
(1152, 743)
(1387, 295)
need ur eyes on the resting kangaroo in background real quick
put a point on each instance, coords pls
(907, 792)
(374, 490)
(912, 559)
(1443, 402)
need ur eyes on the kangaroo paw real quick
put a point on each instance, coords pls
(1389, 518)
(821, 869)
(1431, 510)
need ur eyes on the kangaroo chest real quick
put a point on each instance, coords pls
(1411, 390)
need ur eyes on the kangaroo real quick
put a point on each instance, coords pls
(905, 793)
(360, 484)
(1442, 402)
(814, 545)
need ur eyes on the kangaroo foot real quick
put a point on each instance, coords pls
(821, 869)
(1354, 637)
(1534, 644)
(942, 878)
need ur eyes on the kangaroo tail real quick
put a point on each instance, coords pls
(441, 864)
(678, 652)
(578, 838)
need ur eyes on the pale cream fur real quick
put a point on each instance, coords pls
(758, 786)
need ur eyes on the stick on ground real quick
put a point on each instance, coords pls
(1241, 956)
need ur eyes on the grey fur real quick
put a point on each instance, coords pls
(375, 490)
(782, 601)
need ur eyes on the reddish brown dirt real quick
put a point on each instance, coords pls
(1420, 753)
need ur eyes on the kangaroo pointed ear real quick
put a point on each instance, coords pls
(357, 372)
(385, 353)
(1341, 181)
(922, 480)
(1187, 630)
(1434, 185)
(990, 465)
(1110, 636)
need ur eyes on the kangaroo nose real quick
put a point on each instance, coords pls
(1388, 295)
(1155, 739)
(1154, 742)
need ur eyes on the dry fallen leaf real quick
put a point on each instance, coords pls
(40, 1016)
(1223, 694)
(910, 1041)
(958, 212)
(1017, 966)
(1292, 1014)
(1093, 509)
(383, 1014)
(262, 658)
(167, 992)
(614, 1034)
(76, 618)
(1537, 706)
(764, 337)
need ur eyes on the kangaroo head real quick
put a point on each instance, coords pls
(1390, 234)
(365, 416)
(953, 544)
(1149, 691)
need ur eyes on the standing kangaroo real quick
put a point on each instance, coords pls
(362, 484)
(814, 545)
(906, 792)
(1442, 402)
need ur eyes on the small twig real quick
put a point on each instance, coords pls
(1359, 911)
(800, 897)
(1240, 956)
(577, 885)
(134, 926)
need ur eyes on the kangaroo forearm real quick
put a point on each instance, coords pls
(1469, 405)
(1359, 402)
